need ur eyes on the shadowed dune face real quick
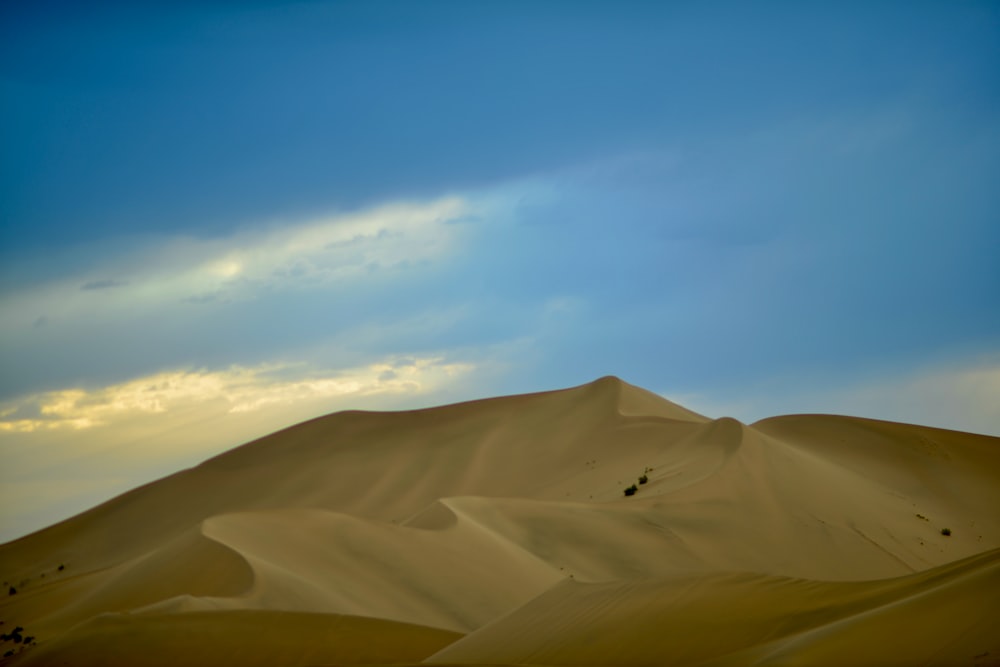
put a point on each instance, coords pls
(498, 531)
(721, 620)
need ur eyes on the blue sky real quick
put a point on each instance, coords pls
(218, 220)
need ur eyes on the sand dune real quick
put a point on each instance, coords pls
(743, 619)
(244, 637)
(497, 531)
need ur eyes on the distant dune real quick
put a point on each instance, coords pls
(499, 532)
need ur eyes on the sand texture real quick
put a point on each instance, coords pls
(498, 532)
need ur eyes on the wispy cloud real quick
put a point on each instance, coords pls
(102, 284)
(239, 299)
(233, 390)
(332, 252)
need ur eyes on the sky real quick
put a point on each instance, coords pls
(220, 219)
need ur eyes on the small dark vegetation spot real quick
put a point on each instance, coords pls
(630, 491)
(62, 567)
(12, 591)
(946, 531)
(921, 516)
(14, 635)
(643, 479)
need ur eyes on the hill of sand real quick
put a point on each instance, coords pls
(498, 532)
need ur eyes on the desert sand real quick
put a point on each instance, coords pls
(498, 532)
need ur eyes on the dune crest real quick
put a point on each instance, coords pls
(500, 531)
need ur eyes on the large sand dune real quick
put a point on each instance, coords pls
(497, 532)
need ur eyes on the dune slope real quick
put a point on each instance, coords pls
(498, 531)
(746, 619)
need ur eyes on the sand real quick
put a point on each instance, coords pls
(498, 532)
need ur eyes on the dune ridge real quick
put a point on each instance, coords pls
(497, 531)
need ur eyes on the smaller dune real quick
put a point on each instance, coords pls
(947, 615)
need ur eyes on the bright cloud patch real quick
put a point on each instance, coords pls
(323, 252)
(326, 253)
(235, 390)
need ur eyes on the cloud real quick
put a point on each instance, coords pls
(244, 297)
(102, 284)
(327, 253)
(233, 390)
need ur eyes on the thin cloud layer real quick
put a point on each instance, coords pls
(102, 284)
(329, 253)
(164, 293)
(234, 390)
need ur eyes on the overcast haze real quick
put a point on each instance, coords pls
(219, 220)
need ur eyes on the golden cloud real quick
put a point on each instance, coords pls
(234, 390)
